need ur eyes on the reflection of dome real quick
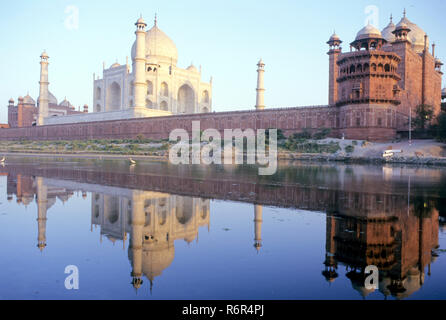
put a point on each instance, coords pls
(367, 32)
(156, 261)
(159, 47)
(357, 279)
(27, 200)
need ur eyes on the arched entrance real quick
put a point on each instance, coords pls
(114, 97)
(186, 99)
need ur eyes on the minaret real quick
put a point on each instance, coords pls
(260, 100)
(136, 240)
(43, 97)
(140, 85)
(258, 227)
(42, 204)
(334, 42)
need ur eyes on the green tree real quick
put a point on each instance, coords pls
(423, 116)
(441, 126)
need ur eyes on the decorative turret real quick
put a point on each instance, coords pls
(260, 99)
(401, 32)
(335, 50)
(85, 108)
(11, 102)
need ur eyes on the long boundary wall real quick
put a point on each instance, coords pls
(289, 120)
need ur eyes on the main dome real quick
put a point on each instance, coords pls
(159, 47)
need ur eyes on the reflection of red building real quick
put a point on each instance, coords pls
(24, 114)
(397, 239)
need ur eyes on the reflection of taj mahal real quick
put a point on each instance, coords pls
(154, 221)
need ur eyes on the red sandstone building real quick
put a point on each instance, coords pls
(24, 114)
(384, 76)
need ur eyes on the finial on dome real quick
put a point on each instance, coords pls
(404, 13)
(391, 18)
(156, 20)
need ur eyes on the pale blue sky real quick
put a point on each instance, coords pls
(226, 37)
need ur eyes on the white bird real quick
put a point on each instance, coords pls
(132, 161)
(2, 160)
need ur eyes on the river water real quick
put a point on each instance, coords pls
(158, 231)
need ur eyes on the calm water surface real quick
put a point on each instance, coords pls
(157, 231)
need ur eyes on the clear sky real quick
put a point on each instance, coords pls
(226, 38)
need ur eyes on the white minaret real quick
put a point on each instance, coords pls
(260, 100)
(43, 94)
(140, 89)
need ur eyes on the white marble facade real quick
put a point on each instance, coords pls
(168, 87)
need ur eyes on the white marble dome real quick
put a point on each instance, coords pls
(51, 99)
(159, 47)
(28, 100)
(368, 31)
(387, 32)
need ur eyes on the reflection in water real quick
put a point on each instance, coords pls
(154, 220)
(367, 222)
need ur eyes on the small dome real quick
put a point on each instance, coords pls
(20, 98)
(334, 37)
(115, 65)
(141, 21)
(44, 55)
(65, 103)
(28, 100)
(368, 31)
(192, 68)
(11, 100)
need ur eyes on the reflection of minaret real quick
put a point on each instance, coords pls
(42, 202)
(136, 240)
(258, 227)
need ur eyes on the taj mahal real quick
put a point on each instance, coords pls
(153, 86)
